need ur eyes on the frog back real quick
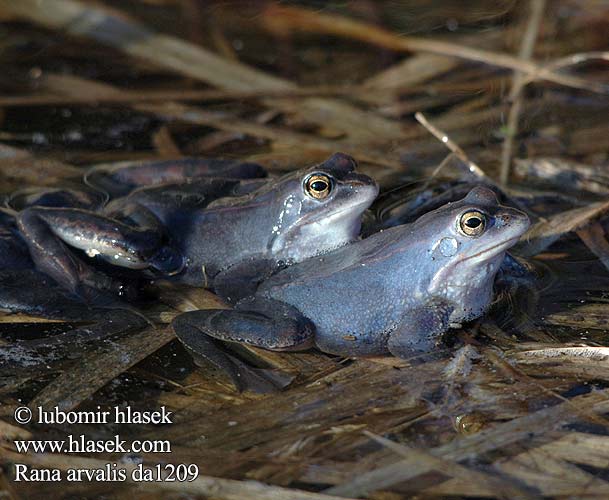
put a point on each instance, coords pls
(354, 296)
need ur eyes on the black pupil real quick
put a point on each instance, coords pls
(473, 222)
(319, 185)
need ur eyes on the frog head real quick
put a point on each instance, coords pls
(320, 208)
(466, 242)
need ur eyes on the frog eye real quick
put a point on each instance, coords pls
(472, 223)
(318, 186)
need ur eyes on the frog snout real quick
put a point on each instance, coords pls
(357, 179)
(363, 186)
(515, 218)
(504, 219)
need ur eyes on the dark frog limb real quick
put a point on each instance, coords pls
(13, 250)
(24, 289)
(47, 231)
(420, 329)
(258, 322)
(56, 197)
(118, 179)
(207, 350)
(31, 292)
(242, 280)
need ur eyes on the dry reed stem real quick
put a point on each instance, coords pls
(425, 460)
(536, 9)
(565, 62)
(594, 237)
(283, 18)
(143, 95)
(117, 30)
(545, 232)
(452, 145)
(190, 114)
(99, 367)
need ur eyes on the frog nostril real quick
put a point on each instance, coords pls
(505, 219)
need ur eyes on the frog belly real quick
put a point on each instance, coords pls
(347, 344)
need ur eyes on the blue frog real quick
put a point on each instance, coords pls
(395, 292)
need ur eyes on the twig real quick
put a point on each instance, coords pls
(594, 238)
(542, 234)
(427, 461)
(526, 52)
(450, 144)
(143, 95)
(565, 62)
(461, 155)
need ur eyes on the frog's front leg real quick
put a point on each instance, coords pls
(258, 322)
(49, 231)
(420, 329)
(242, 280)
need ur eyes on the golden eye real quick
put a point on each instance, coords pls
(318, 186)
(472, 223)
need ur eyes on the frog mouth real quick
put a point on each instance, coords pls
(349, 208)
(356, 208)
(499, 247)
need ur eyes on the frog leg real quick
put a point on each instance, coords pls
(420, 329)
(56, 197)
(49, 231)
(31, 292)
(206, 350)
(121, 178)
(258, 322)
(242, 280)
(14, 254)
(134, 215)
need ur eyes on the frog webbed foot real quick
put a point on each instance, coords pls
(206, 350)
(417, 335)
(258, 322)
